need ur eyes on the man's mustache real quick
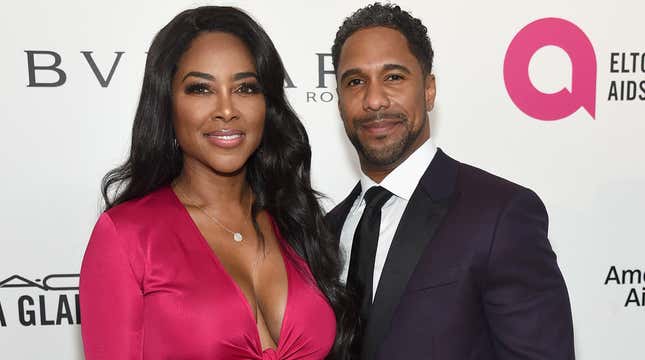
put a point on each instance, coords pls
(377, 116)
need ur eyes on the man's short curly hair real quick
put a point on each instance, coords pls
(391, 16)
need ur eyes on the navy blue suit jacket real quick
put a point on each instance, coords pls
(470, 274)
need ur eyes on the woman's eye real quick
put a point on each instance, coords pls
(248, 88)
(198, 89)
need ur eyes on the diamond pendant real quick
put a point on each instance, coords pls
(238, 237)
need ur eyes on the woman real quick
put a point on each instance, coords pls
(213, 244)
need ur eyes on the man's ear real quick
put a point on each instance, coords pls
(338, 100)
(430, 91)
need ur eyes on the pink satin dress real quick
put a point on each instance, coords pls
(152, 288)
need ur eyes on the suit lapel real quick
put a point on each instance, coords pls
(336, 217)
(421, 219)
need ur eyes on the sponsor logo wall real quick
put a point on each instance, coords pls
(548, 94)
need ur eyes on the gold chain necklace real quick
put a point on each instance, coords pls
(237, 236)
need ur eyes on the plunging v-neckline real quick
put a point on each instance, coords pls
(235, 285)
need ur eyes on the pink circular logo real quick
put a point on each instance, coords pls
(571, 39)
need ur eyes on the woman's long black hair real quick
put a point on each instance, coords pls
(278, 172)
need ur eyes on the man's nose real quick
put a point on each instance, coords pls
(375, 98)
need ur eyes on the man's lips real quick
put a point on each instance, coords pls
(225, 138)
(380, 127)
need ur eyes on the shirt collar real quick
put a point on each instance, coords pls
(404, 178)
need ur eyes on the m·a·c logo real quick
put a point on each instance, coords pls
(34, 300)
(568, 37)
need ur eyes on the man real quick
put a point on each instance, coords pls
(446, 261)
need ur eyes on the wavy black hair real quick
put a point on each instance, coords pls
(391, 16)
(278, 172)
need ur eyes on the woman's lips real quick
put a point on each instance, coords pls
(225, 138)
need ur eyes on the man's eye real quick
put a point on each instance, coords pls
(198, 89)
(354, 82)
(249, 88)
(394, 77)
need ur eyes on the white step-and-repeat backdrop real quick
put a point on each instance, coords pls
(570, 124)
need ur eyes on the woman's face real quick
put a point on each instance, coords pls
(218, 105)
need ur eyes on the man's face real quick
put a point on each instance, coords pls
(383, 97)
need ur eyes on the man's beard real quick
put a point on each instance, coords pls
(388, 155)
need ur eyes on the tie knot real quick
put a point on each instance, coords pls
(376, 196)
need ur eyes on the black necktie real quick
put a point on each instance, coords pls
(361, 264)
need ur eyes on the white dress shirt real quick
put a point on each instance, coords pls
(401, 182)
